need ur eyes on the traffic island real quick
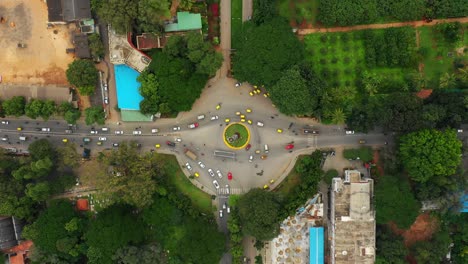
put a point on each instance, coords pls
(236, 136)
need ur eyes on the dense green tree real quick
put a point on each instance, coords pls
(38, 192)
(202, 54)
(33, 108)
(41, 149)
(430, 155)
(390, 247)
(119, 13)
(347, 12)
(329, 175)
(447, 80)
(70, 113)
(82, 74)
(48, 109)
(94, 114)
(395, 202)
(446, 109)
(68, 156)
(14, 106)
(96, 46)
(450, 31)
(264, 11)
(259, 213)
(147, 254)
(149, 90)
(401, 113)
(151, 14)
(433, 251)
(265, 52)
(291, 94)
(112, 229)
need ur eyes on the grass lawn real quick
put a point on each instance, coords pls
(243, 135)
(236, 22)
(299, 11)
(440, 54)
(292, 180)
(199, 198)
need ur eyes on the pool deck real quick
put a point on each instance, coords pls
(123, 52)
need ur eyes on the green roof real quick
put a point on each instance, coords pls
(134, 116)
(185, 21)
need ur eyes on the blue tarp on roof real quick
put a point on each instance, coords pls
(316, 245)
(464, 202)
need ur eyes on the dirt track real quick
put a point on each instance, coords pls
(378, 26)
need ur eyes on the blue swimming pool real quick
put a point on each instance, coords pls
(128, 96)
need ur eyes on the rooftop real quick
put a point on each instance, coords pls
(185, 21)
(68, 10)
(10, 232)
(81, 46)
(148, 41)
(50, 92)
(82, 204)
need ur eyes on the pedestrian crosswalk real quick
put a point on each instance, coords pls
(312, 141)
(225, 191)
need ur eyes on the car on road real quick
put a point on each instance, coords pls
(362, 141)
(37, 129)
(218, 106)
(178, 140)
(136, 132)
(65, 140)
(227, 120)
(260, 124)
(279, 130)
(251, 93)
(257, 151)
(106, 100)
(105, 86)
(216, 184)
(102, 139)
(201, 117)
(196, 174)
(224, 206)
(242, 116)
(242, 120)
(220, 175)
(249, 121)
(250, 158)
(5, 138)
(170, 143)
(115, 144)
(157, 145)
(214, 118)
(310, 131)
(211, 172)
(349, 132)
(94, 132)
(229, 175)
(176, 128)
(238, 113)
(201, 164)
(4, 122)
(99, 143)
(248, 110)
(248, 147)
(119, 132)
(264, 157)
(154, 131)
(193, 125)
(460, 130)
(228, 209)
(45, 129)
(105, 129)
(289, 146)
(187, 165)
(238, 84)
(227, 192)
(220, 212)
(19, 128)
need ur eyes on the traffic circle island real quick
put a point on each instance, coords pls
(236, 136)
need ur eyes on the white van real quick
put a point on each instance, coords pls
(201, 117)
(22, 138)
(266, 148)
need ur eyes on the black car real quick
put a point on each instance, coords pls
(170, 143)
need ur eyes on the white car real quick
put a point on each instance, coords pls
(238, 84)
(154, 130)
(211, 172)
(178, 140)
(201, 164)
(250, 158)
(45, 129)
(5, 122)
(102, 139)
(460, 130)
(92, 132)
(105, 129)
(119, 132)
(224, 206)
(5, 138)
(105, 86)
(177, 128)
(260, 124)
(220, 175)
(221, 213)
(201, 117)
(136, 132)
(228, 209)
(106, 100)
(216, 184)
(214, 118)
(227, 191)
(187, 165)
(349, 132)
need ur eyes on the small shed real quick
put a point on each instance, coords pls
(81, 46)
(185, 22)
(82, 205)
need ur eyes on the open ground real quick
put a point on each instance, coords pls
(43, 60)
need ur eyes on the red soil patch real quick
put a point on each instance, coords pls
(422, 229)
(376, 158)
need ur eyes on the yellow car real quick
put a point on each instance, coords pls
(157, 145)
(265, 186)
(196, 174)
(64, 140)
(257, 151)
(218, 106)
(248, 110)
(227, 120)
(243, 120)
(251, 93)
(255, 91)
(99, 143)
(279, 130)
(273, 105)
(255, 86)
(238, 113)
(242, 116)
(19, 128)
(258, 91)
(249, 121)
(266, 95)
(272, 181)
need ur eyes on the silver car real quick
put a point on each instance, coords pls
(187, 165)
(177, 128)
(216, 184)
(210, 171)
(220, 175)
(201, 164)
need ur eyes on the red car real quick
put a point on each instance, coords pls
(229, 176)
(170, 143)
(289, 146)
(248, 147)
(194, 125)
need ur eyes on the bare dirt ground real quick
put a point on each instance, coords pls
(44, 60)
(422, 229)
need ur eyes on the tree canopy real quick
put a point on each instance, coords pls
(430, 155)
(259, 213)
(94, 114)
(266, 51)
(82, 74)
(14, 106)
(390, 247)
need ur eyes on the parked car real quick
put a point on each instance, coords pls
(106, 100)
(176, 128)
(216, 184)
(289, 146)
(362, 141)
(94, 132)
(187, 165)
(154, 130)
(238, 84)
(115, 144)
(178, 140)
(102, 139)
(218, 106)
(201, 164)
(214, 118)
(119, 132)
(220, 211)
(193, 125)
(201, 117)
(170, 143)
(4, 122)
(309, 131)
(136, 132)
(5, 138)
(279, 130)
(229, 176)
(105, 129)
(211, 172)
(220, 175)
(349, 132)
(45, 129)
(227, 192)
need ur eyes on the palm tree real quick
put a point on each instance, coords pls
(463, 75)
(338, 116)
(447, 80)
